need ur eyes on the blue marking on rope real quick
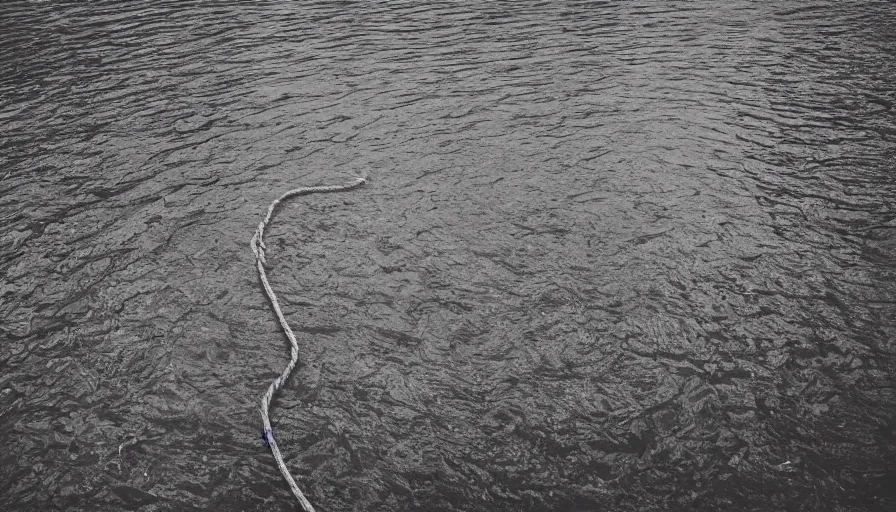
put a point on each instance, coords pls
(267, 436)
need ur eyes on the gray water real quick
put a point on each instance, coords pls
(613, 256)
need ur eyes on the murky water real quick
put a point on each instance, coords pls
(613, 256)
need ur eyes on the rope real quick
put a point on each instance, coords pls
(258, 249)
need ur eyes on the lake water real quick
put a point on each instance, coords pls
(613, 255)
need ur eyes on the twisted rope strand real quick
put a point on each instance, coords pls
(258, 249)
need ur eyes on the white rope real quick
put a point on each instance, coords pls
(258, 248)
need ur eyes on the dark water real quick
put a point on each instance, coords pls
(614, 256)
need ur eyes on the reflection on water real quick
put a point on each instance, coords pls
(614, 256)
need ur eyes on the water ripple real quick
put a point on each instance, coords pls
(619, 256)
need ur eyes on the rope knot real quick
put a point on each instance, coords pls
(258, 248)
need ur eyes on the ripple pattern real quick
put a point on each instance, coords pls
(614, 255)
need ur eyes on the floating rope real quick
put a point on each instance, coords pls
(258, 248)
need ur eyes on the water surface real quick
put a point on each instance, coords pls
(613, 256)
